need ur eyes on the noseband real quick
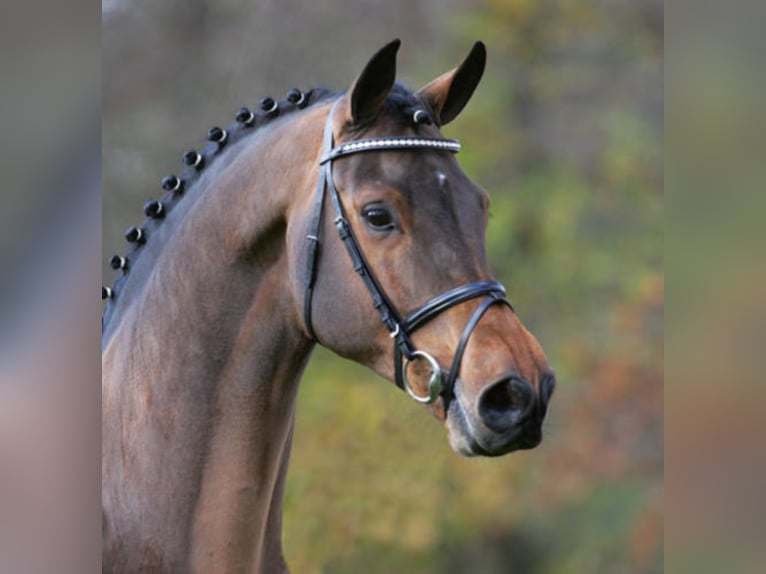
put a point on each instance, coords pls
(399, 328)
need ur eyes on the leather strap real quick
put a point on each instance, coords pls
(470, 326)
(450, 299)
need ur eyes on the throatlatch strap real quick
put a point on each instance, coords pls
(315, 227)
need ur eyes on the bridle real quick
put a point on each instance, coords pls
(399, 328)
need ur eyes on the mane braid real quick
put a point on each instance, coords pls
(404, 103)
(176, 186)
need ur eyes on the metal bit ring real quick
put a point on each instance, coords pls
(434, 383)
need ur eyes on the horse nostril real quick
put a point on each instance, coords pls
(506, 404)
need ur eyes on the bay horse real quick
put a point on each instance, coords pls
(339, 219)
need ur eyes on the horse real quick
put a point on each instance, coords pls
(340, 219)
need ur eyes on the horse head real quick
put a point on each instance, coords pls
(410, 243)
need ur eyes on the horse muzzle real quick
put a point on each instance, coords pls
(507, 416)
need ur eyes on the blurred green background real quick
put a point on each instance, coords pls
(565, 132)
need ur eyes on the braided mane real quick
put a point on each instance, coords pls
(175, 186)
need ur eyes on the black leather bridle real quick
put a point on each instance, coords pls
(399, 328)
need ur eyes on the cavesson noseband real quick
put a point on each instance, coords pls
(399, 328)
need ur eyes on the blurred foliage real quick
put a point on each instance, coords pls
(565, 132)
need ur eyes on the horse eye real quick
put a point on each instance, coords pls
(378, 218)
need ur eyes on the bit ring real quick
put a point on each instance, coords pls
(434, 383)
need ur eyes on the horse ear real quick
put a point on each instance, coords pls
(369, 90)
(449, 93)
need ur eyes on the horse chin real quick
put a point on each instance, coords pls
(469, 441)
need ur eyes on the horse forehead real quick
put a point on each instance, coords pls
(402, 169)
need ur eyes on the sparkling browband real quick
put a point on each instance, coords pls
(374, 144)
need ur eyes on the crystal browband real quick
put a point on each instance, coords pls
(376, 144)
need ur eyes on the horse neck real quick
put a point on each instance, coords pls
(201, 374)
